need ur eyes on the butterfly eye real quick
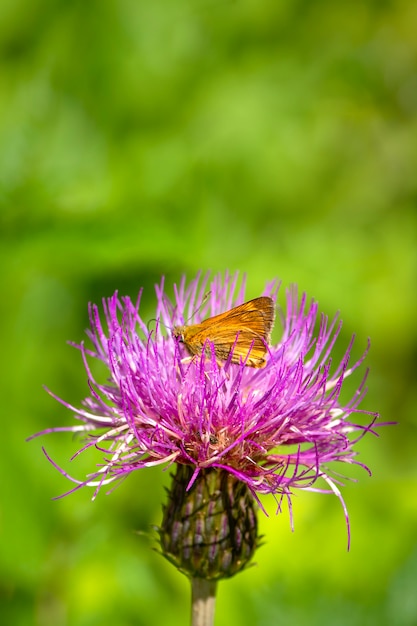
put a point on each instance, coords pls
(178, 334)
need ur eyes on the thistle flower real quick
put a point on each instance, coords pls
(233, 432)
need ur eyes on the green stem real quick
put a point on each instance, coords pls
(203, 601)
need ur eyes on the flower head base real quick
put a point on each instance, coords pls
(210, 530)
(275, 429)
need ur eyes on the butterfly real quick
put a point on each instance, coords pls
(242, 332)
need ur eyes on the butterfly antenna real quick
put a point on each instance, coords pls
(202, 303)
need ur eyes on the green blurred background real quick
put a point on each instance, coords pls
(278, 138)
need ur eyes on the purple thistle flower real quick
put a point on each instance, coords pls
(275, 429)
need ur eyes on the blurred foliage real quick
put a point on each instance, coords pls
(139, 139)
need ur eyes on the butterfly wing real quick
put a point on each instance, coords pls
(244, 330)
(249, 330)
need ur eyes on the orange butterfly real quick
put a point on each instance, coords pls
(245, 330)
